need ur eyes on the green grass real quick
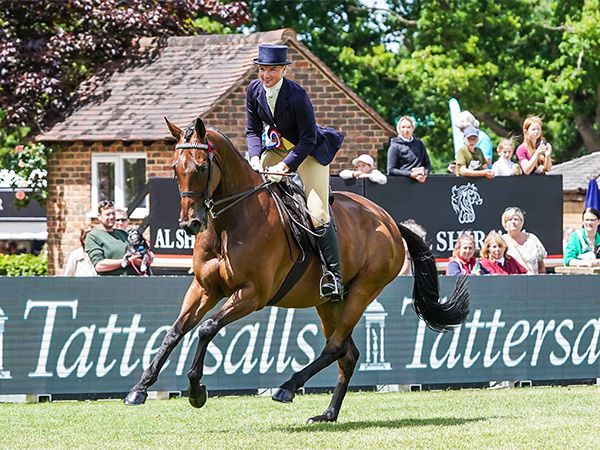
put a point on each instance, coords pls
(541, 417)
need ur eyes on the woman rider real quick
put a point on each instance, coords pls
(283, 136)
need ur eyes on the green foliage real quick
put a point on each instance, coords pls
(27, 174)
(502, 60)
(24, 265)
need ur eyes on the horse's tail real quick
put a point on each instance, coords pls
(438, 316)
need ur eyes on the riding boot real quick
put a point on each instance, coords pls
(331, 282)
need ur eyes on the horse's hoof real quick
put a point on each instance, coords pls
(283, 395)
(136, 398)
(197, 396)
(321, 418)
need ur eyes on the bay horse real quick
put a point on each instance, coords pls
(241, 253)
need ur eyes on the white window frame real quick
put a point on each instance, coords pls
(116, 158)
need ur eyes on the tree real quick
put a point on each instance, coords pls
(503, 60)
(48, 48)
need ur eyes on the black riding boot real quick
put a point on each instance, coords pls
(331, 283)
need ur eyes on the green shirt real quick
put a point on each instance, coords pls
(101, 244)
(575, 247)
(473, 161)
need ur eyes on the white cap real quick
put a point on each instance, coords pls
(367, 159)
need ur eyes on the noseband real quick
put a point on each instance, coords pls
(209, 203)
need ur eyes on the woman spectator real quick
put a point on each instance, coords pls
(364, 167)
(525, 247)
(534, 154)
(463, 259)
(579, 252)
(78, 263)
(407, 155)
(494, 259)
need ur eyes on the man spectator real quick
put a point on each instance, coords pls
(107, 246)
(470, 161)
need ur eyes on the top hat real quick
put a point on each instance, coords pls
(272, 55)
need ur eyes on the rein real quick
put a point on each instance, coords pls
(209, 203)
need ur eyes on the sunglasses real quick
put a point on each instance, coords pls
(121, 220)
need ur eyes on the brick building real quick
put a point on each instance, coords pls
(111, 145)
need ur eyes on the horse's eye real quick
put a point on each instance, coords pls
(203, 168)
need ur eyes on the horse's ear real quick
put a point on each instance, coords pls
(174, 129)
(200, 128)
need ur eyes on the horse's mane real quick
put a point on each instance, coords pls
(236, 151)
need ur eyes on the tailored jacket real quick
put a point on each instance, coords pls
(294, 118)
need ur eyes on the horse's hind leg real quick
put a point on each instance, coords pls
(195, 305)
(347, 364)
(339, 345)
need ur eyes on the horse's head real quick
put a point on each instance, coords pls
(196, 173)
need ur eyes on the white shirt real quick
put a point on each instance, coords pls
(272, 94)
(503, 168)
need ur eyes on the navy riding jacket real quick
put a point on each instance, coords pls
(294, 118)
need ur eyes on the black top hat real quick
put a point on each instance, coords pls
(272, 55)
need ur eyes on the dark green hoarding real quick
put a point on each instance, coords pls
(94, 335)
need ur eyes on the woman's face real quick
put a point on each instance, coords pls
(269, 76)
(590, 222)
(496, 250)
(406, 129)
(466, 250)
(534, 131)
(513, 223)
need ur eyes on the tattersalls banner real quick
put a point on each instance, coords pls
(93, 335)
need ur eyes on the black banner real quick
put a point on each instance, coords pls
(444, 205)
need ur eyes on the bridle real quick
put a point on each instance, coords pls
(209, 203)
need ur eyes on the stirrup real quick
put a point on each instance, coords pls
(337, 292)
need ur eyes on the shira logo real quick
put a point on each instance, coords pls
(463, 199)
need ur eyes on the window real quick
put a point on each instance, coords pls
(120, 178)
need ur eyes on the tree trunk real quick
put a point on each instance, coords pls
(590, 137)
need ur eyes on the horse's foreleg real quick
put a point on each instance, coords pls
(195, 305)
(234, 308)
(347, 364)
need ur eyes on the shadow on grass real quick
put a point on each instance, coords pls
(363, 424)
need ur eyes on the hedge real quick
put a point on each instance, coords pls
(23, 265)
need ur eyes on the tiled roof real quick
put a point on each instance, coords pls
(577, 172)
(184, 81)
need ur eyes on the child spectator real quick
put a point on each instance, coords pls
(463, 259)
(494, 259)
(470, 161)
(364, 167)
(505, 166)
(534, 154)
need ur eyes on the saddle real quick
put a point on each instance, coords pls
(291, 205)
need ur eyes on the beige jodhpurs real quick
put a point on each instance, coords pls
(315, 178)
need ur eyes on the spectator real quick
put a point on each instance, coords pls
(494, 259)
(470, 161)
(505, 166)
(407, 155)
(78, 262)
(579, 252)
(413, 226)
(525, 247)
(534, 154)
(463, 259)
(107, 247)
(121, 219)
(465, 120)
(364, 167)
